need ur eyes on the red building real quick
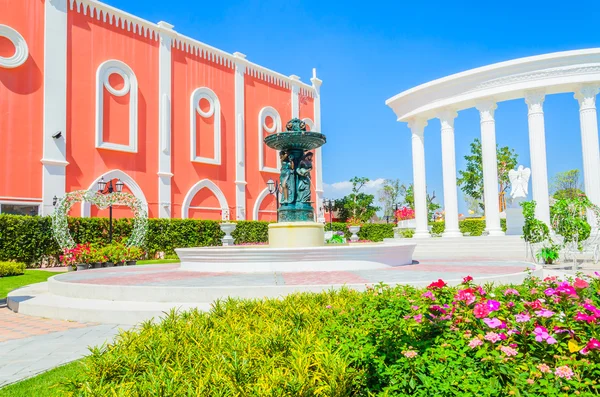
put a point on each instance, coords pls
(88, 91)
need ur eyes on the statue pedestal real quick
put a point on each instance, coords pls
(296, 234)
(514, 221)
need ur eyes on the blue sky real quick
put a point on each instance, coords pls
(368, 52)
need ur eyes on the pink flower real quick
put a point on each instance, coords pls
(533, 291)
(437, 284)
(566, 288)
(415, 307)
(467, 279)
(545, 313)
(549, 291)
(564, 372)
(493, 305)
(492, 337)
(480, 290)
(466, 295)
(511, 291)
(579, 283)
(418, 318)
(530, 381)
(475, 342)
(585, 317)
(522, 318)
(410, 353)
(544, 368)
(509, 351)
(492, 322)
(481, 310)
(541, 334)
(429, 295)
(593, 344)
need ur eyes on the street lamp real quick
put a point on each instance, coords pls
(54, 201)
(103, 189)
(397, 207)
(329, 204)
(274, 189)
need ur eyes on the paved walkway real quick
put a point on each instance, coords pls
(32, 345)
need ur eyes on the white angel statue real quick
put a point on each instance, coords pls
(519, 180)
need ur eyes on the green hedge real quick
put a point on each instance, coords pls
(473, 226)
(370, 231)
(11, 269)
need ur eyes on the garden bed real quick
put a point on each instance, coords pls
(535, 339)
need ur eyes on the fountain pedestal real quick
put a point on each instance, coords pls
(296, 234)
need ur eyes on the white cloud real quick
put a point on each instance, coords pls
(338, 190)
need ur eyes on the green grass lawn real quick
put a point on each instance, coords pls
(9, 283)
(157, 261)
(43, 385)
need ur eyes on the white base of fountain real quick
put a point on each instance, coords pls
(296, 234)
(250, 259)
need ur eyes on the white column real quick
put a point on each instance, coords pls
(54, 157)
(240, 144)
(589, 141)
(417, 128)
(449, 173)
(166, 34)
(316, 83)
(537, 154)
(295, 96)
(490, 168)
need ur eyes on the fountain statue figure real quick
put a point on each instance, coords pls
(294, 145)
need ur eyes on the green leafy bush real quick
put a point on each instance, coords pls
(375, 232)
(11, 269)
(534, 230)
(535, 339)
(475, 227)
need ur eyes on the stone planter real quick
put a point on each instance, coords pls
(82, 266)
(227, 228)
(108, 264)
(95, 265)
(354, 230)
(131, 263)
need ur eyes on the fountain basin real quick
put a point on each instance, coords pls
(250, 259)
(296, 234)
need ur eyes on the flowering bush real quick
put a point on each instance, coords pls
(540, 338)
(354, 222)
(78, 254)
(405, 213)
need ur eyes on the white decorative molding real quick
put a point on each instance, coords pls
(258, 203)
(265, 112)
(447, 118)
(535, 101)
(60, 163)
(586, 95)
(487, 109)
(130, 86)
(21, 50)
(203, 184)
(123, 20)
(213, 111)
(560, 72)
(131, 184)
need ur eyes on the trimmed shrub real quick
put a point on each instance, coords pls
(474, 226)
(369, 231)
(11, 269)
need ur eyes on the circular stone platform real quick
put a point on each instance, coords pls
(129, 295)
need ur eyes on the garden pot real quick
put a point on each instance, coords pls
(354, 230)
(131, 263)
(95, 265)
(82, 266)
(119, 263)
(108, 264)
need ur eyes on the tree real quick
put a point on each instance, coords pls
(566, 185)
(357, 204)
(389, 196)
(471, 179)
(409, 200)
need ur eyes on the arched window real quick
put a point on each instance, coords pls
(267, 113)
(214, 112)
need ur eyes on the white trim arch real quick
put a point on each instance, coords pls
(265, 112)
(263, 195)
(213, 111)
(309, 123)
(135, 189)
(210, 185)
(130, 86)
(21, 50)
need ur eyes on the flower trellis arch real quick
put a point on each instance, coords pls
(60, 225)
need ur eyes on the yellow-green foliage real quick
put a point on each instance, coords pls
(241, 348)
(11, 269)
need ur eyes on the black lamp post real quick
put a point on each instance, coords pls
(329, 204)
(103, 189)
(397, 207)
(54, 201)
(274, 189)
